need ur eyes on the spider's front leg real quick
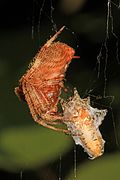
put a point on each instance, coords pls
(45, 122)
(52, 118)
(49, 125)
(47, 119)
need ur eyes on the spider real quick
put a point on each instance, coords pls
(41, 85)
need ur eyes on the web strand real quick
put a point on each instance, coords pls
(75, 163)
(110, 26)
(98, 67)
(60, 167)
(39, 19)
(21, 175)
(51, 15)
(33, 20)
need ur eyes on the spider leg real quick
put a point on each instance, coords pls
(52, 116)
(40, 120)
(43, 123)
(49, 42)
(18, 91)
(53, 122)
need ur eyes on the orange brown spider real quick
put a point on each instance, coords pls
(41, 85)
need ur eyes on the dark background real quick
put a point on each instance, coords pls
(28, 151)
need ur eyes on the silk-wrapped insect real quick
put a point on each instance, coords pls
(83, 122)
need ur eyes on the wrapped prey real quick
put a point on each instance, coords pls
(83, 122)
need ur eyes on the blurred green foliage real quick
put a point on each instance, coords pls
(27, 147)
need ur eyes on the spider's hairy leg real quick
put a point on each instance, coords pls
(47, 124)
(49, 42)
(43, 123)
(19, 92)
(52, 115)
